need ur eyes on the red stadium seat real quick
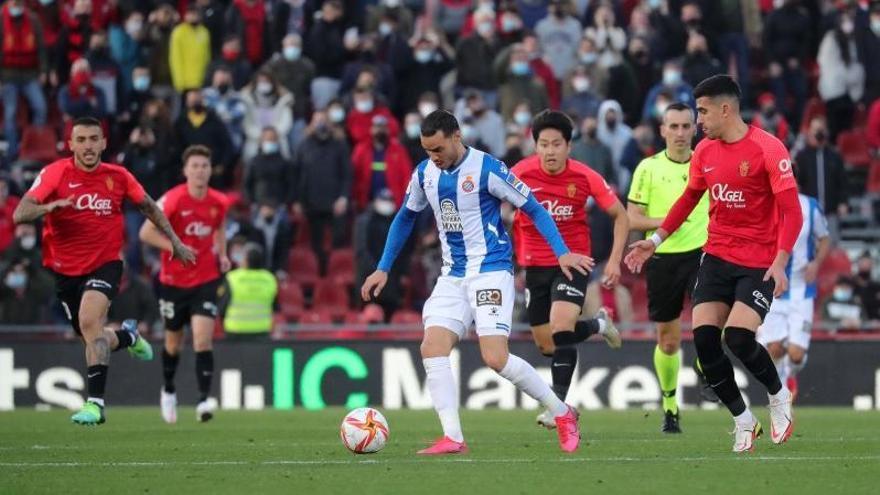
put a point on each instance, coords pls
(39, 144)
(814, 108)
(340, 266)
(873, 184)
(330, 297)
(302, 266)
(406, 317)
(291, 300)
(853, 145)
(316, 316)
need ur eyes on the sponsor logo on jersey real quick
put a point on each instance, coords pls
(93, 202)
(723, 193)
(489, 297)
(558, 211)
(468, 184)
(197, 229)
(449, 216)
(744, 168)
(517, 184)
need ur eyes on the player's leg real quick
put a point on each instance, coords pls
(446, 316)
(667, 361)
(800, 326)
(174, 309)
(99, 343)
(563, 316)
(203, 334)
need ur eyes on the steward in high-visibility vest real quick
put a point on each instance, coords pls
(250, 298)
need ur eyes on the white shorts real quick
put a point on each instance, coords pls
(485, 299)
(788, 321)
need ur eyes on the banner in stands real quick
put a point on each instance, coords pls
(312, 375)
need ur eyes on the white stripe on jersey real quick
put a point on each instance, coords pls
(814, 228)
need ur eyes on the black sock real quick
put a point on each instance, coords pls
(96, 376)
(126, 339)
(753, 356)
(204, 373)
(169, 368)
(717, 368)
(562, 367)
(585, 329)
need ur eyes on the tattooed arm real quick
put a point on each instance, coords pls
(154, 214)
(29, 210)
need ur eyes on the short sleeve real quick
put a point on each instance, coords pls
(134, 191)
(600, 190)
(820, 224)
(640, 187)
(165, 205)
(45, 184)
(415, 199)
(696, 178)
(505, 185)
(777, 162)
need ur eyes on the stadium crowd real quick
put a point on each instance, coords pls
(312, 111)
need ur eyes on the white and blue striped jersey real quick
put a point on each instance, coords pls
(814, 228)
(466, 202)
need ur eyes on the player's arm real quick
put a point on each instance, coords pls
(220, 246)
(154, 214)
(639, 220)
(29, 210)
(621, 233)
(823, 240)
(777, 163)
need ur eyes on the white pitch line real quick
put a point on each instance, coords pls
(457, 460)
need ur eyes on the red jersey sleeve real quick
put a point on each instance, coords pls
(600, 190)
(777, 162)
(46, 183)
(696, 178)
(134, 191)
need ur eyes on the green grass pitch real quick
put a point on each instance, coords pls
(300, 452)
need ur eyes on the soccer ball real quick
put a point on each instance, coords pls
(364, 431)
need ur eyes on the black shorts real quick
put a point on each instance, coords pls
(670, 277)
(546, 285)
(722, 281)
(178, 305)
(70, 289)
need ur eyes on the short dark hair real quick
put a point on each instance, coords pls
(439, 120)
(552, 119)
(718, 85)
(87, 122)
(679, 107)
(196, 150)
(254, 255)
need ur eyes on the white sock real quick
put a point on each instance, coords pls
(782, 368)
(746, 418)
(795, 368)
(782, 395)
(524, 376)
(96, 400)
(444, 395)
(602, 325)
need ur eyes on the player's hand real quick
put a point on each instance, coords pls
(811, 272)
(579, 262)
(611, 275)
(640, 252)
(777, 273)
(373, 285)
(59, 203)
(182, 252)
(225, 264)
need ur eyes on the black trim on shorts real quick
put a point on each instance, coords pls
(177, 305)
(70, 288)
(546, 285)
(669, 277)
(722, 281)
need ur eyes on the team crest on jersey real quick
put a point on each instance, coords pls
(109, 183)
(518, 185)
(744, 168)
(572, 190)
(214, 212)
(449, 217)
(468, 184)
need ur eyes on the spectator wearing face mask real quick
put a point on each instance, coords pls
(588, 57)
(472, 54)
(612, 131)
(73, 40)
(430, 62)
(336, 114)
(821, 173)
(295, 72)
(376, 14)
(106, 73)
(371, 229)
(411, 137)
(80, 97)
(588, 149)
(233, 61)
(128, 47)
(323, 169)
(266, 104)
(143, 160)
(25, 246)
(580, 100)
(365, 106)
(520, 84)
(610, 38)
(844, 309)
(486, 124)
(198, 124)
(133, 102)
(189, 51)
(841, 75)
(698, 63)
(23, 296)
(867, 24)
(326, 47)
(269, 176)
(559, 34)
(672, 83)
(770, 120)
(867, 287)
(222, 98)
(161, 23)
(272, 231)
(381, 164)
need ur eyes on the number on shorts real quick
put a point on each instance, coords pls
(166, 309)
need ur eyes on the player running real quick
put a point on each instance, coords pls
(657, 182)
(464, 187)
(754, 220)
(189, 294)
(82, 199)
(563, 186)
(786, 330)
